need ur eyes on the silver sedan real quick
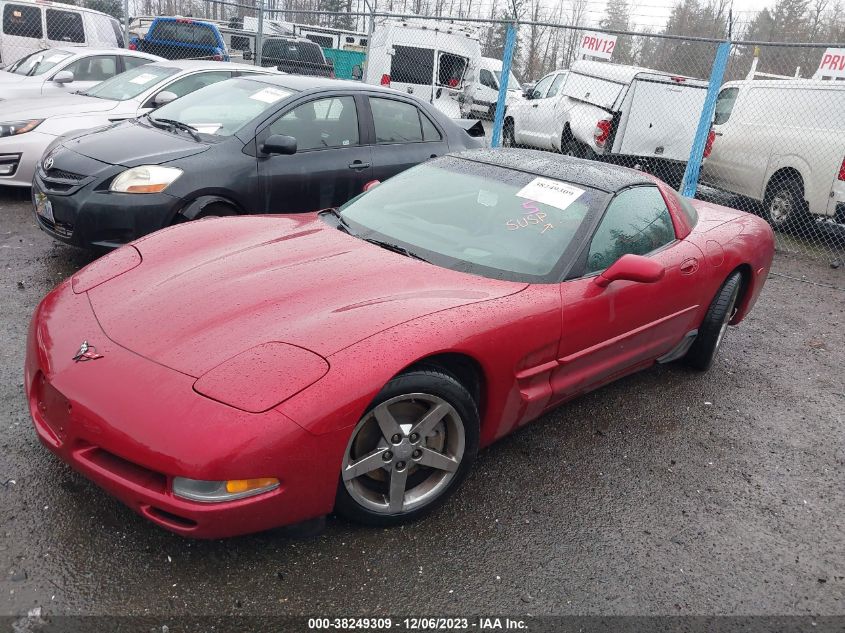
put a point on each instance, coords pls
(61, 71)
(28, 126)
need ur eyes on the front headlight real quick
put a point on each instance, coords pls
(219, 491)
(13, 128)
(145, 179)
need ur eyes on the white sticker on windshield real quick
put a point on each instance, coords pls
(143, 78)
(268, 95)
(551, 192)
(54, 59)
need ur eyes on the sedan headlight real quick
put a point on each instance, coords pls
(13, 128)
(145, 179)
(219, 491)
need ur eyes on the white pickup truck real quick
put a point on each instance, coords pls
(623, 114)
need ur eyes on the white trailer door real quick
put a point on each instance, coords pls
(662, 119)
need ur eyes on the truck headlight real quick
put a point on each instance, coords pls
(219, 491)
(145, 179)
(13, 128)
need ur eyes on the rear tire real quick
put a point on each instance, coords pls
(712, 330)
(410, 450)
(783, 205)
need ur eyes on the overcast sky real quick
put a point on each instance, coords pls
(655, 13)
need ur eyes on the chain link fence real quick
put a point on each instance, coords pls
(760, 129)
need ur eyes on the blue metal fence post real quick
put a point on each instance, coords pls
(690, 182)
(507, 60)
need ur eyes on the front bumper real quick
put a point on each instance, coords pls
(131, 425)
(88, 215)
(22, 153)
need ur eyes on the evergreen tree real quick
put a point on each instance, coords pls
(617, 17)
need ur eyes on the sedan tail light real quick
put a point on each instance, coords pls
(133, 46)
(385, 80)
(602, 132)
(708, 146)
(842, 170)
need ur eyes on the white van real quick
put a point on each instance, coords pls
(438, 63)
(486, 93)
(637, 117)
(27, 26)
(781, 142)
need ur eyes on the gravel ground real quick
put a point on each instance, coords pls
(668, 492)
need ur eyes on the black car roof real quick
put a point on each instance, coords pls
(602, 176)
(307, 82)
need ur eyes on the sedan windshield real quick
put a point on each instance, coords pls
(131, 83)
(223, 108)
(38, 63)
(478, 218)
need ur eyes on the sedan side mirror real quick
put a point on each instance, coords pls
(279, 144)
(164, 97)
(63, 77)
(631, 268)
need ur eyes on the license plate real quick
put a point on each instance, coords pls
(44, 207)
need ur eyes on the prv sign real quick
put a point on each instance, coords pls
(599, 45)
(832, 64)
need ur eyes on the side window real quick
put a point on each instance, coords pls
(401, 122)
(486, 78)
(331, 122)
(95, 68)
(636, 221)
(412, 65)
(556, 84)
(542, 86)
(130, 62)
(22, 20)
(725, 105)
(65, 26)
(452, 69)
(187, 85)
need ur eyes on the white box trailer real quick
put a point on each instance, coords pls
(437, 62)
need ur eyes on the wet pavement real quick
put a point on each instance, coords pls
(668, 492)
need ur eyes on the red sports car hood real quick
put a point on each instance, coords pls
(212, 289)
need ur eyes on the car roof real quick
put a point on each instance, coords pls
(87, 50)
(205, 64)
(593, 174)
(57, 5)
(307, 82)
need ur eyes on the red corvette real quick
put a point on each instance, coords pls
(237, 374)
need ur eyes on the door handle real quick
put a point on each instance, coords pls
(689, 266)
(534, 105)
(357, 164)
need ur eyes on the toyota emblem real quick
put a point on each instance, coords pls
(48, 164)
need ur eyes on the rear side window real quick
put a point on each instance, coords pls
(486, 79)
(96, 68)
(65, 26)
(331, 122)
(400, 122)
(725, 105)
(411, 65)
(452, 68)
(636, 221)
(22, 21)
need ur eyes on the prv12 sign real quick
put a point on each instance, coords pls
(832, 64)
(597, 45)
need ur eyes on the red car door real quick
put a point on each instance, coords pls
(610, 331)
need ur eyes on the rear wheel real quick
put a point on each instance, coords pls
(784, 205)
(410, 450)
(712, 330)
(571, 147)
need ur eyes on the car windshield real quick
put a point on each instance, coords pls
(513, 82)
(223, 108)
(131, 83)
(479, 218)
(38, 63)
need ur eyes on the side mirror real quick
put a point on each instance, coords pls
(63, 77)
(164, 97)
(631, 268)
(247, 55)
(279, 144)
(371, 185)
(357, 72)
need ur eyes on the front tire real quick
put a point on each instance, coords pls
(410, 451)
(712, 330)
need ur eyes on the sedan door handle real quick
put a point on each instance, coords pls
(357, 164)
(534, 105)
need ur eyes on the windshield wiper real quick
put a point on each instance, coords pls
(341, 221)
(190, 129)
(395, 248)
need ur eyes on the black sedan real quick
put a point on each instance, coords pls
(263, 144)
